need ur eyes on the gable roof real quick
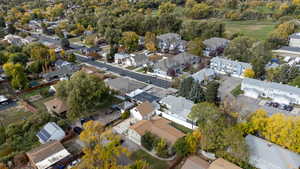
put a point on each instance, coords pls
(219, 60)
(124, 85)
(56, 105)
(140, 58)
(215, 42)
(266, 155)
(49, 130)
(145, 108)
(47, 154)
(195, 162)
(272, 85)
(220, 163)
(144, 96)
(168, 36)
(203, 74)
(178, 105)
(159, 127)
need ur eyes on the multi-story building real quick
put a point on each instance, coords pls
(230, 67)
(280, 93)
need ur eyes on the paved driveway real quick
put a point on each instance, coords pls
(227, 84)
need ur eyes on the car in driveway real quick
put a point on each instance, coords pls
(77, 130)
(86, 119)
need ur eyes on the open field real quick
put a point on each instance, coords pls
(255, 29)
(13, 115)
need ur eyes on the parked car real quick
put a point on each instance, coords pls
(77, 130)
(276, 105)
(289, 108)
(86, 119)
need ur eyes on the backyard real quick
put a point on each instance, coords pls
(255, 29)
(153, 162)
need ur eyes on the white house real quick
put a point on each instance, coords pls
(294, 40)
(50, 132)
(47, 155)
(122, 58)
(293, 50)
(281, 93)
(143, 111)
(204, 75)
(226, 66)
(177, 110)
(266, 155)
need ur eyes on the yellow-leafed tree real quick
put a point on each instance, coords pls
(249, 73)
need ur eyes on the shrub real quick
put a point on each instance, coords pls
(162, 148)
(125, 115)
(148, 140)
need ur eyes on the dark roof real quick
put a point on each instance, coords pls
(288, 48)
(66, 70)
(43, 135)
(144, 96)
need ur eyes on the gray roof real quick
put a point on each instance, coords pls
(272, 85)
(124, 85)
(215, 42)
(144, 96)
(140, 59)
(291, 49)
(295, 35)
(230, 62)
(178, 105)
(168, 36)
(66, 70)
(174, 61)
(266, 155)
(203, 74)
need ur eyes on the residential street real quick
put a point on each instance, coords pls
(123, 72)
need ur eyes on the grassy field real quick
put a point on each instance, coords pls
(255, 29)
(13, 115)
(153, 162)
(237, 91)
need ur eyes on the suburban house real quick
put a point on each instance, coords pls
(143, 111)
(294, 40)
(141, 96)
(177, 110)
(266, 155)
(50, 132)
(293, 50)
(287, 51)
(61, 63)
(56, 107)
(158, 126)
(215, 46)
(204, 75)
(122, 58)
(61, 74)
(171, 42)
(281, 93)
(135, 59)
(220, 163)
(16, 40)
(125, 106)
(195, 162)
(124, 85)
(170, 66)
(47, 155)
(226, 66)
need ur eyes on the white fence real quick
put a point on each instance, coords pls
(177, 120)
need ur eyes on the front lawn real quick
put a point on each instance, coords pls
(152, 161)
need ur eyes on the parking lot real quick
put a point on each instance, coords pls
(248, 105)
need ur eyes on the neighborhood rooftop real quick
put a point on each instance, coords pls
(215, 42)
(124, 85)
(266, 155)
(230, 62)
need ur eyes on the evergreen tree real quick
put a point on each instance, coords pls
(185, 87)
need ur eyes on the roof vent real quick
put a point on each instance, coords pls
(269, 145)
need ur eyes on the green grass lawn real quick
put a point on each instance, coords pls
(255, 29)
(40, 103)
(130, 67)
(13, 115)
(237, 91)
(153, 162)
(76, 39)
(181, 128)
(34, 92)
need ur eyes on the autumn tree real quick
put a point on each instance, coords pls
(150, 41)
(249, 73)
(130, 40)
(166, 8)
(240, 49)
(3, 166)
(16, 73)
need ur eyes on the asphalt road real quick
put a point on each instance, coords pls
(137, 76)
